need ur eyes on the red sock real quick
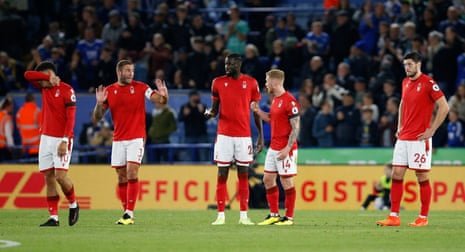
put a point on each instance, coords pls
(221, 193)
(123, 194)
(397, 190)
(52, 202)
(289, 202)
(70, 196)
(425, 197)
(244, 190)
(272, 196)
(133, 192)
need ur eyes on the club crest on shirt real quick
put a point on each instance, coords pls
(225, 84)
(57, 93)
(418, 87)
(115, 91)
(131, 90)
(280, 103)
(244, 84)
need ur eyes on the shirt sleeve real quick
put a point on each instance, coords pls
(70, 107)
(35, 76)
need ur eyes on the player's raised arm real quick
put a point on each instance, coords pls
(161, 94)
(101, 95)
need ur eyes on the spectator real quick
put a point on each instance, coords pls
(345, 5)
(163, 125)
(106, 66)
(28, 121)
(35, 59)
(89, 19)
(11, 72)
(363, 12)
(132, 39)
(199, 28)
(279, 59)
(6, 129)
(359, 62)
(369, 28)
(455, 131)
(195, 126)
(406, 13)
(179, 31)
(368, 102)
(344, 78)
(319, 39)
(460, 69)
(196, 76)
(294, 29)
(360, 89)
(103, 11)
(445, 74)
(344, 36)
(434, 45)
(347, 122)
(457, 102)
(314, 69)
(428, 23)
(368, 129)
(89, 129)
(54, 32)
(101, 140)
(267, 36)
(387, 126)
(332, 91)
(160, 55)
(408, 35)
(58, 59)
(389, 90)
(45, 49)
(133, 7)
(214, 14)
(252, 65)
(453, 20)
(307, 118)
(393, 8)
(158, 25)
(85, 59)
(235, 32)
(281, 29)
(323, 126)
(113, 28)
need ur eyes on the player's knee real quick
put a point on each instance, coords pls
(223, 171)
(242, 169)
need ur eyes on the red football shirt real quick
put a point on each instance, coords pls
(283, 108)
(127, 108)
(235, 97)
(418, 99)
(58, 106)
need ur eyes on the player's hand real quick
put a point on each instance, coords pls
(254, 106)
(259, 145)
(62, 149)
(161, 87)
(101, 94)
(282, 154)
(54, 80)
(208, 113)
(426, 135)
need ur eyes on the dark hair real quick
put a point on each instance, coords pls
(235, 56)
(415, 56)
(29, 97)
(46, 65)
(123, 63)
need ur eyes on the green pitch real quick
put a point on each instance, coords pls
(158, 230)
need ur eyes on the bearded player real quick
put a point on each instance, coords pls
(56, 139)
(235, 93)
(420, 94)
(126, 101)
(281, 158)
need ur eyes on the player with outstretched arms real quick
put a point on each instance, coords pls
(56, 139)
(281, 158)
(235, 93)
(420, 95)
(126, 101)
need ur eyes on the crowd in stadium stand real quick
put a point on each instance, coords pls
(345, 65)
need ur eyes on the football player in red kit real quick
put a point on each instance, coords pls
(281, 158)
(126, 101)
(235, 93)
(56, 140)
(420, 94)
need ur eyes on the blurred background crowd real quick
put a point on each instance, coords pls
(342, 58)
